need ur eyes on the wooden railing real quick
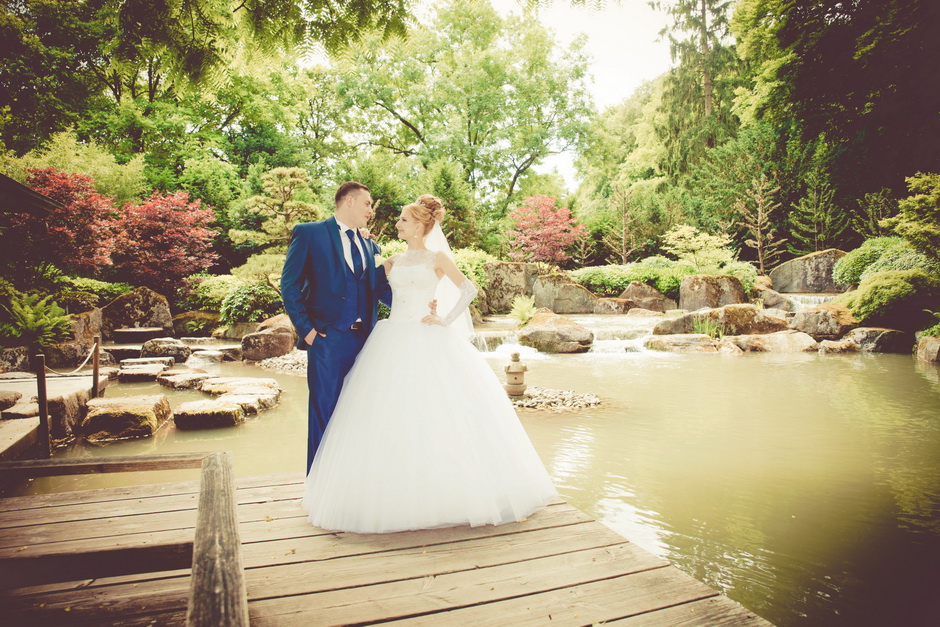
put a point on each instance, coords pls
(217, 593)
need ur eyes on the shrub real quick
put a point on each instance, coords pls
(933, 331)
(250, 303)
(604, 280)
(849, 269)
(670, 279)
(471, 262)
(902, 256)
(744, 271)
(523, 308)
(205, 292)
(659, 272)
(896, 299)
(36, 321)
(103, 291)
(75, 301)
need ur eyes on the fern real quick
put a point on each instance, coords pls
(523, 308)
(36, 321)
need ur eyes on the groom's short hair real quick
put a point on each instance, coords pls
(347, 188)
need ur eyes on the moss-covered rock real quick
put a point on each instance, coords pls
(208, 414)
(120, 418)
(195, 323)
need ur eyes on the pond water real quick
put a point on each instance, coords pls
(805, 487)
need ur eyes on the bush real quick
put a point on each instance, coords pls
(670, 279)
(206, 292)
(744, 271)
(35, 321)
(849, 269)
(902, 256)
(895, 299)
(933, 331)
(604, 280)
(610, 281)
(250, 303)
(471, 262)
(103, 291)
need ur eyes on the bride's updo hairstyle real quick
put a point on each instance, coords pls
(426, 210)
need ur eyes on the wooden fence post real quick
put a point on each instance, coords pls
(45, 441)
(95, 367)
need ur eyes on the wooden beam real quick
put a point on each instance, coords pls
(218, 595)
(95, 465)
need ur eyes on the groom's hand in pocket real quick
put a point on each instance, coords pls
(312, 336)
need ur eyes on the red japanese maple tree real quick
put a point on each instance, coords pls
(542, 231)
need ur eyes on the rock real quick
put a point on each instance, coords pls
(125, 417)
(555, 400)
(86, 325)
(278, 324)
(726, 347)
(928, 349)
(23, 409)
(14, 359)
(810, 273)
(775, 300)
(203, 354)
(710, 290)
(613, 305)
(648, 297)
(644, 313)
(224, 385)
(233, 352)
(506, 280)
(235, 332)
(838, 346)
(9, 398)
(266, 344)
(562, 295)
(742, 319)
(67, 354)
(195, 323)
(145, 372)
(684, 343)
(251, 403)
(140, 308)
(183, 380)
(763, 282)
(827, 321)
(166, 347)
(136, 335)
(788, 341)
(169, 362)
(879, 340)
(550, 333)
(208, 414)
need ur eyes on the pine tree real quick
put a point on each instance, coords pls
(816, 222)
(757, 209)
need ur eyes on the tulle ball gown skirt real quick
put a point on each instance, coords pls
(423, 436)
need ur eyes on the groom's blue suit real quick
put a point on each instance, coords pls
(321, 292)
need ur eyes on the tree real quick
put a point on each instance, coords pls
(280, 208)
(79, 236)
(164, 239)
(919, 219)
(628, 226)
(873, 210)
(757, 212)
(704, 252)
(816, 222)
(445, 179)
(542, 231)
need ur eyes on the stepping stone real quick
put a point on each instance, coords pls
(147, 372)
(23, 409)
(9, 398)
(208, 355)
(133, 335)
(250, 402)
(224, 385)
(209, 414)
(198, 341)
(182, 380)
(120, 418)
(169, 362)
(166, 347)
(120, 353)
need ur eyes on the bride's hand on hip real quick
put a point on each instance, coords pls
(432, 318)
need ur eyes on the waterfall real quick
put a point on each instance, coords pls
(803, 301)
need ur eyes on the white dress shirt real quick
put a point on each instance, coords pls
(347, 252)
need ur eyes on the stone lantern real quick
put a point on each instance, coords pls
(515, 376)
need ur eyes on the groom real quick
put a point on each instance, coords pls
(331, 289)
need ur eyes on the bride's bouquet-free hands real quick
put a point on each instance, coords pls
(432, 318)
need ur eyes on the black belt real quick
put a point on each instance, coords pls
(357, 326)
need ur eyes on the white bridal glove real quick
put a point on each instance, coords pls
(468, 292)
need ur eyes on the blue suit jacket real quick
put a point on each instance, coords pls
(312, 281)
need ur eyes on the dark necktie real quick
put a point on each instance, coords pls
(354, 250)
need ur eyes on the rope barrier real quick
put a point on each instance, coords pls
(68, 374)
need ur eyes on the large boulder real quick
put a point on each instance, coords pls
(274, 337)
(684, 343)
(86, 325)
(562, 295)
(67, 354)
(772, 299)
(788, 341)
(550, 333)
(648, 297)
(613, 305)
(879, 340)
(810, 273)
(827, 321)
(742, 319)
(928, 349)
(195, 323)
(139, 308)
(14, 359)
(236, 331)
(120, 418)
(166, 347)
(506, 280)
(699, 291)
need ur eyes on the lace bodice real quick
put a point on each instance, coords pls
(413, 282)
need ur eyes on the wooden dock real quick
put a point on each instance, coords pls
(559, 567)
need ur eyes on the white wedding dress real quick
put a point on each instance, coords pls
(423, 434)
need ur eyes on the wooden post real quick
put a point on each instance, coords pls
(95, 367)
(218, 595)
(45, 442)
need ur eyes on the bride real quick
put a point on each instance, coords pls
(423, 434)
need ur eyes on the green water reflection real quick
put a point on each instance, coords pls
(805, 487)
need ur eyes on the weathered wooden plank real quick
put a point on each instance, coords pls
(386, 566)
(453, 590)
(96, 465)
(217, 596)
(716, 611)
(583, 604)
